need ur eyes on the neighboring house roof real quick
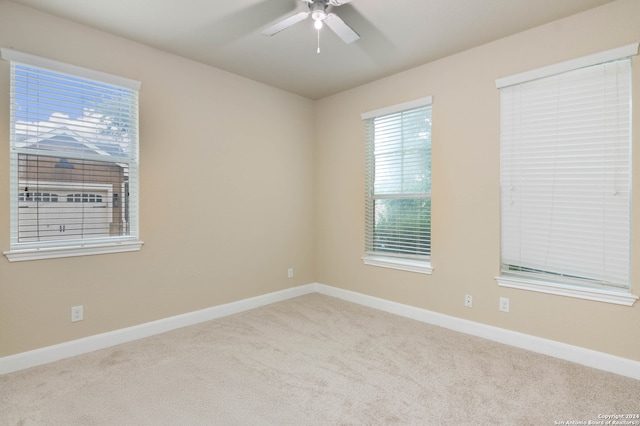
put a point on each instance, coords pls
(65, 139)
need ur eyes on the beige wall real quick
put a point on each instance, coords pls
(466, 245)
(226, 205)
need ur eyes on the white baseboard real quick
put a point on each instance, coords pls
(579, 355)
(60, 351)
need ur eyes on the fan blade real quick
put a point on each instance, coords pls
(338, 2)
(285, 23)
(343, 31)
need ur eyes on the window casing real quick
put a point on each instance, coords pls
(398, 186)
(73, 160)
(566, 179)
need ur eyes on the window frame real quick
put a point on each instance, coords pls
(23, 251)
(539, 282)
(410, 263)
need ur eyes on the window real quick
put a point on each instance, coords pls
(73, 160)
(398, 186)
(565, 177)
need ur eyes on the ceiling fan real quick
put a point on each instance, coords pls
(319, 14)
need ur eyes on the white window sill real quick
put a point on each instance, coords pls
(81, 249)
(419, 266)
(598, 295)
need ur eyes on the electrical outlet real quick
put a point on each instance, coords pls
(290, 272)
(77, 313)
(468, 300)
(504, 304)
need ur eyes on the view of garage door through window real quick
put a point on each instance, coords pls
(60, 198)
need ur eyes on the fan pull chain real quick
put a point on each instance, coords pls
(318, 51)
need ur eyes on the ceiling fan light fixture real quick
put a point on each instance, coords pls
(318, 12)
(317, 24)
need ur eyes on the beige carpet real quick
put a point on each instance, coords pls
(312, 360)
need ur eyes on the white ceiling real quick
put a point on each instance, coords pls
(395, 34)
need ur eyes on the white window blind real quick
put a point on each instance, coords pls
(398, 181)
(74, 157)
(565, 176)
